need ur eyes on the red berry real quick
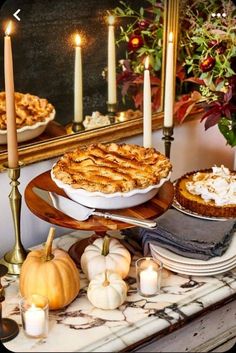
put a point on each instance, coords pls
(207, 64)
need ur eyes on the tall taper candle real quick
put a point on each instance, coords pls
(147, 107)
(10, 101)
(78, 82)
(111, 69)
(169, 81)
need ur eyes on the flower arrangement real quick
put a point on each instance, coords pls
(141, 34)
(207, 60)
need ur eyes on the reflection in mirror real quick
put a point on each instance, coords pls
(44, 47)
(141, 34)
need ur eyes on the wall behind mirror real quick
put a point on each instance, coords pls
(44, 48)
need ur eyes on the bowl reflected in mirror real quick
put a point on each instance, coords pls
(29, 132)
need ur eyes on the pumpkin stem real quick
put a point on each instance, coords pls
(48, 245)
(105, 246)
(106, 282)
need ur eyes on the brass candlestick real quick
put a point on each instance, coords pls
(111, 111)
(8, 327)
(14, 258)
(74, 127)
(168, 132)
(77, 126)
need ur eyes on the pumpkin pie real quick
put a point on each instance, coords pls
(210, 192)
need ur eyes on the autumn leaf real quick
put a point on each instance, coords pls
(183, 107)
(195, 80)
(138, 99)
(180, 72)
(184, 110)
(156, 98)
(213, 117)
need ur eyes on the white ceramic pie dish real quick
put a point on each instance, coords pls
(115, 200)
(28, 132)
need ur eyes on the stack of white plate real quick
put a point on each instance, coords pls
(188, 266)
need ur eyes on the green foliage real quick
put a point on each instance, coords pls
(207, 57)
(147, 25)
(228, 129)
(208, 31)
(152, 35)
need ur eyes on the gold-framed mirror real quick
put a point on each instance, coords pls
(44, 54)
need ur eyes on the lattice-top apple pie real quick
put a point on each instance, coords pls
(30, 109)
(111, 168)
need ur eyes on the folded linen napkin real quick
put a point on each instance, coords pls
(186, 235)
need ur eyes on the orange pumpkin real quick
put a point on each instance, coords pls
(51, 273)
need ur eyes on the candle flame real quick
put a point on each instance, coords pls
(171, 36)
(77, 40)
(122, 116)
(146, 63)
(111, 20)
(32, 307)
(8, 29)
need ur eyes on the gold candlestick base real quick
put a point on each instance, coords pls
(77, 126)
(74, 127)
(14, 258)
(168, 132)
(111, 112)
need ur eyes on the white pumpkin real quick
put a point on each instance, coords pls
(105, 254)
(107, 290)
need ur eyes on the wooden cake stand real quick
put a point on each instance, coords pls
(150, 209)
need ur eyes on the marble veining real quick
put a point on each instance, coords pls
(82, 327)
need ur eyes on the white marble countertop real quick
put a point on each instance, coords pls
(83, 328)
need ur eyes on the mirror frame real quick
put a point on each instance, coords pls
(55, 147)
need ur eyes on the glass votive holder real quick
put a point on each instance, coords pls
(148, 275)
(34, 315)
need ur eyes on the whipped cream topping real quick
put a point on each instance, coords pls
(218, 186)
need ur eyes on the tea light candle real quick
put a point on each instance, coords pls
(148, 281)
(34, 321)
(78, 84)
(10, 101)
(169, 84)
(111, 67)
(148, 274)
(147, 107)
